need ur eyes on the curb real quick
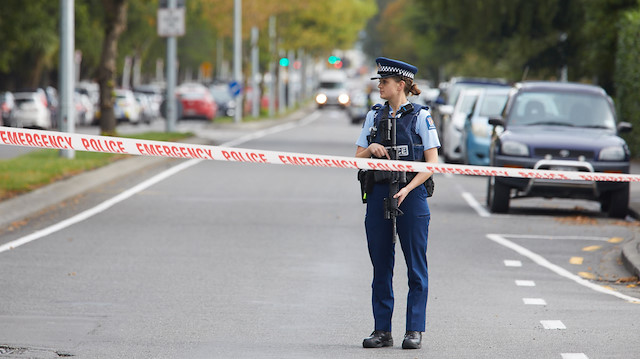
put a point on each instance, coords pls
(631, 256)
(29, 204)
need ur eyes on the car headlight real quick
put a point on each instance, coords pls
(343, 99)
(321, 99)
(613, 153)
(512, 148)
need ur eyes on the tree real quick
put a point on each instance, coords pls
(115, 15)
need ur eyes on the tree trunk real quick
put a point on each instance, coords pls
(115, 23)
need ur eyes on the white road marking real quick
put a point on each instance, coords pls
(552, 324)
(525, 283)
(574, 356)
(576, 238)
(538, 259)
(534, 301)
(471, 201)
(144, 185)
(512, 263)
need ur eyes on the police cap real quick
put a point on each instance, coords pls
(388, 67)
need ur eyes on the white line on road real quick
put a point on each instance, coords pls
(557, 269)
(552, 324)
(574, 356)
(525, 283)
(142, 186)
(534, 301)
(576, 238)
(512, 263)
(475, 205)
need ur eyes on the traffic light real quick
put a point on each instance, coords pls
(284, 62)
(333, 59)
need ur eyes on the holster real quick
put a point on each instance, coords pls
(366, 180)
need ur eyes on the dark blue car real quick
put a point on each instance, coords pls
(559, 126)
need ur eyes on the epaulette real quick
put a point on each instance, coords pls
(376, 107)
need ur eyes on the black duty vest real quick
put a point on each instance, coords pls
(410, 146)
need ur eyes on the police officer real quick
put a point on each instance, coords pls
(417, 140)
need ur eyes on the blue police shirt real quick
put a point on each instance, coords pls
(425, 128)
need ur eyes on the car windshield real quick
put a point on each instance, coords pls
(492, 105)
(331, 85)
(562, 109)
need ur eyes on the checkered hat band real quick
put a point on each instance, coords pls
(397, 70)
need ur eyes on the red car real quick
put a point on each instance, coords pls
(197, 101)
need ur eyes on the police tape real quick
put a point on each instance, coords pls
(119, 145)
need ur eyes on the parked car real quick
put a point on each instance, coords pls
(147, 113)
(332, 89)
(559, 126)
(222, 96)
(7, 105)
(85, 110)
(451, 133)
(449, 92)
(126, 108)
(476, 135)
(197, 101)
(31, 110)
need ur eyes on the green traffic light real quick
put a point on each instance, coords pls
(333, 59)
(284, 62)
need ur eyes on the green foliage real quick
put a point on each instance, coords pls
(628, 75)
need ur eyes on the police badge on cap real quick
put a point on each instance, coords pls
(388, 67)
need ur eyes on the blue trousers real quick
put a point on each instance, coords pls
(413, 230)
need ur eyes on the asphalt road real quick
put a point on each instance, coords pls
(239, 260)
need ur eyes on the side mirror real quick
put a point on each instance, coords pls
(497, 121)
(624, 127)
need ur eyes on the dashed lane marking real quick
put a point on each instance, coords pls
(512, 263)
(538, 259)
(553, 324)
(525, 283)
(534, 301)
(574, 356)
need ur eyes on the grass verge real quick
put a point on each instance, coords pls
(42, 167)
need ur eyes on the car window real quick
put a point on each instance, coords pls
(564, 109)
(492, 105)
(331, 85)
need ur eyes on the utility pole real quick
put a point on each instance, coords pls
(66, 118)
(255, 72)
(272, 66)
(171, 78)
(237, 56)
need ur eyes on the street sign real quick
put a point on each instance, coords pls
(171, 22)
(235, 88)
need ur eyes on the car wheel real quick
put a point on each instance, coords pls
(618, 206)
(498, 196)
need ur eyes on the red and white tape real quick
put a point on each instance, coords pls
(81, 142)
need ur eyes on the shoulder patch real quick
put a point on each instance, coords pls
(430, 124)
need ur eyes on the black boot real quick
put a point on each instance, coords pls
(378, 339)
(412, 340)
